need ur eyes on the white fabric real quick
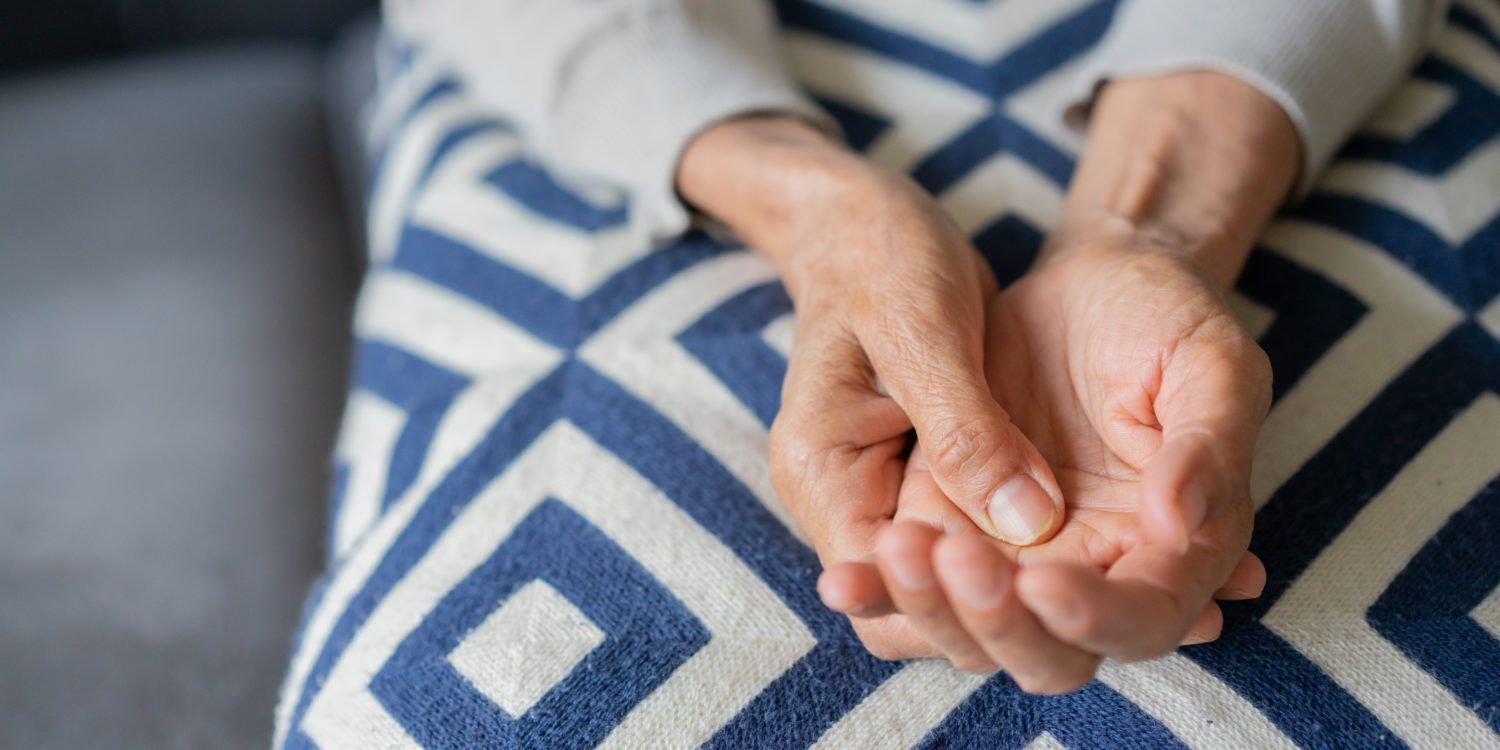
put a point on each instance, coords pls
(615, 89)
(1328, 64)
(593, 417)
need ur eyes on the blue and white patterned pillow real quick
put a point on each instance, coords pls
(553, 524)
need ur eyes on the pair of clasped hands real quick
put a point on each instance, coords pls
(1036, 478)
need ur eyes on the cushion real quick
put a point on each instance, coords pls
(174, 290)
(554, 525)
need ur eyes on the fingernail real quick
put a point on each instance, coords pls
(1021, 510)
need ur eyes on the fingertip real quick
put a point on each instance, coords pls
(836, 590)
(854, 589)
(1208, 627)
(1247, 581)
(904, 552)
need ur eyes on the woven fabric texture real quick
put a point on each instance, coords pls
(553, 526)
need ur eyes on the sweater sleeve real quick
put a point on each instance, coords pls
(613, 89)
(1328, 63)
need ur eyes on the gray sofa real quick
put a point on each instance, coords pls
(176, 274)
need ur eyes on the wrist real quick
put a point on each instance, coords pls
(1192, 164)
(759, 176)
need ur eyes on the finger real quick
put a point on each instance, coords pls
(1246, 582)
(1207, 627)
(922, 500)
(904, 555)
(884, 632)
(893, 638)
(836, 445)
(1141, 609)
(855, 589)
(930, 359)
(1213, 400)
(977, 579)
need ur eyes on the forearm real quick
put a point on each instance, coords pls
(751, 173)
(1192, 163)
(781, 185)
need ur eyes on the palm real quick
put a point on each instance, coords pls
(1091, 357)
(1127, 373)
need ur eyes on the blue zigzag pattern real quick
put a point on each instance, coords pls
(649, 632)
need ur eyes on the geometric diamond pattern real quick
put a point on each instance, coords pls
(553, 523)
(533, 641)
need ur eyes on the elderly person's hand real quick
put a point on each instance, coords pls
(1120, 359)
(1125, 367)
(891, 302)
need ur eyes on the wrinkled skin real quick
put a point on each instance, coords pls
(1123, 366)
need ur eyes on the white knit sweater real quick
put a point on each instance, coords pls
(615, 89)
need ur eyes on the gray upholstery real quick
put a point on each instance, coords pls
(175, 281)
(349, 83)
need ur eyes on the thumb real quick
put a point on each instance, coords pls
(1210, 418)
(991, 471)
(980, 460)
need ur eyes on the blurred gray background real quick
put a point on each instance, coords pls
(176, 273)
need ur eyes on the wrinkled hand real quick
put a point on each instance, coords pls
(1123, 365)
(1119, 359)
(891, 301)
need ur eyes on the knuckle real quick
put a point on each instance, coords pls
(791, 452)
(797, 462)
(1241, 519)
(1248, 358)
(960, 446)
(895, 342)
(922, 321)
(786, 441)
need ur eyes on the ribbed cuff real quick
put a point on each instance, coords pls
(1327, 64)
(638, 96)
